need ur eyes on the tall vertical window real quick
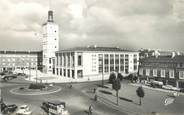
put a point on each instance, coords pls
(106, 62)
(117, 63)
(79, 57)
(126, 63)
(147, 72)
(162, 73)
(64, 59)
(50, 60)
(121, 62)
(181, 74)
(100, 61)
(72, 60)
(68, 57)
(155, 72)
(140, 71)
(79, 73)
(171, 73)
(111, 62)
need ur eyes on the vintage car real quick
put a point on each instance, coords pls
(55, 107)
(24, 110)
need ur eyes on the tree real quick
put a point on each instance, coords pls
(140, 94)
(112, 77)
(116, 85)
(120, 76)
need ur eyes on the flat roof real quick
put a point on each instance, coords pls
(19, 52)
(110, 49)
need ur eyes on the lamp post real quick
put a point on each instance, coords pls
(102, 72)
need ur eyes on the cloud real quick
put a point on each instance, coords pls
(123, 23)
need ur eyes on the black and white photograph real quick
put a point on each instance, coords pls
(92, 57)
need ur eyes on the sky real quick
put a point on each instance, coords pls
(128, 24)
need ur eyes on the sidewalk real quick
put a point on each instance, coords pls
(156, 89)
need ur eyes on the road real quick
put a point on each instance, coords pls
(77, 101)
(154, 101)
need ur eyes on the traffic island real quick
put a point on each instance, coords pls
(35, 89)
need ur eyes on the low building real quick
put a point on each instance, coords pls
(89, 62)
(168, 69)
(11, 60)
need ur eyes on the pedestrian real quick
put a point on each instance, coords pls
(95, 98)
(94, 90)
(90, 110)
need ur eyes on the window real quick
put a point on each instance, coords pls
(155, 72)
(100, 60)
(79, 59)
(162, 73)
(50, 60)
(140, 71)
(106, 62)
(79, 73)
(68, 73)
(73, 73)
(181, 75)
(61, 72)
(117, 63)
(111, 62)
(147, 72)
(122, 63)
(171, 73)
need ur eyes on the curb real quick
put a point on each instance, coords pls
(43, 93)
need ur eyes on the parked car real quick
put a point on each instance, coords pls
(156, 84)
(169, 87)
(24, 110)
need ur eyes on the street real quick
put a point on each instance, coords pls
(77, 102)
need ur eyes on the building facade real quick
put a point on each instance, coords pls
(50, 42)
(11, 60)
(87, 62)
(167, 69)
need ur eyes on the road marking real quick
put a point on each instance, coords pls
(168, 101)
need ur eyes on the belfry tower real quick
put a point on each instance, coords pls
(50, 42)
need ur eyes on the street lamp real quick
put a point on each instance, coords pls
(102, 72)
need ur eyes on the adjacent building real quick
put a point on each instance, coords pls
(168, 69)
(88, 62)
(11, 60)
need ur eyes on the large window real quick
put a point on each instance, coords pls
(181, 74)
(68, 59)
(79, 57)
(106, 62)
(155, 72)
(147, 72)
(111, 62)
(162, 73)
(171, 73)
(79, 73)
(100, 61)
(117, 63)
(141, 71)
(121, 62)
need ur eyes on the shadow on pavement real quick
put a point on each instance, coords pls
(125, 99)
(99, 85)
(106, 92)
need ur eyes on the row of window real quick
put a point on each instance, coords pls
(68, 72)
(160, 73)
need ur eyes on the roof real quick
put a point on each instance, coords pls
(19, 52)
(164, 59)
(110, 49)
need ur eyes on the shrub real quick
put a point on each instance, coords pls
(36, 86)
(112, 77)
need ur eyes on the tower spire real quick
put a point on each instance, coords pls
(50, 13)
